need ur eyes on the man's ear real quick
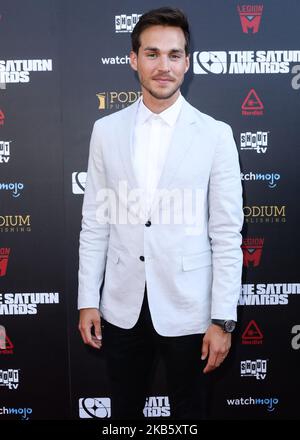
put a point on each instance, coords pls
(133, 60)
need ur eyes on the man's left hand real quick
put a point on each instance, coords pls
(216, 345)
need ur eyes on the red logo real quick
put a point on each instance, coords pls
(4, 255)
(250, 16)
(252, 334)
(2, 117)
(252, 105)
(252, 250)
(6, 346)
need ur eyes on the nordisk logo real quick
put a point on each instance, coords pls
(257, 368)
(252, 250)
(6, 346)
(250, 16)
(252, 335)
(94, 408)
(116, 100)
(4, 151)
(157, 406)
(268, 294)
(254, 141)
(9, 378)
(126, 23)
(14, 187)
(270, 178)
(4, 256)
(236, 62)
(18, 71)
(252, 105)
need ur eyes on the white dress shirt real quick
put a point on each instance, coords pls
(151, 141)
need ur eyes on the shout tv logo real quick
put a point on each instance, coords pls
(250, 16)
(94, 408)
(126, 23)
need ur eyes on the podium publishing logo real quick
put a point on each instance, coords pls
(252, 105)
(252, 250)
(4, 256)
(94, 408)
(126, 23)
(78, 182)
(116, 100)
(210, 62)
(250, 16)
(252, 335)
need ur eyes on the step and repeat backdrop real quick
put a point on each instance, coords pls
(64, 64)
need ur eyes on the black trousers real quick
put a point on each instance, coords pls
(132, 357)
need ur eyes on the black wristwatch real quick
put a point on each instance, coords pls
(226, 325)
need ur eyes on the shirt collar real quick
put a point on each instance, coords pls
(169, 115)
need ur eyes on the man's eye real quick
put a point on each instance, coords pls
(151, 55)
(175, 57)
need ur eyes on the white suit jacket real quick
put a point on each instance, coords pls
(192, 268)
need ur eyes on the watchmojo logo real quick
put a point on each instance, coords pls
(116, 100)
(250, 16)
(126, 23)
(4, 256)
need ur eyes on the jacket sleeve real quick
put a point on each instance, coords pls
(94, 234)
(225, 224)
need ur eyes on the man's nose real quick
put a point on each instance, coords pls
(164, 64)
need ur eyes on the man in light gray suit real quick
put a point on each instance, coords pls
(160, 237)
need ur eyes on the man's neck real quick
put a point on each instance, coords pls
(159, 105)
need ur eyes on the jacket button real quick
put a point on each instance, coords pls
(142, 258)
(148, 223)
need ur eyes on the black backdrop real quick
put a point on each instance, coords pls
(47, 109)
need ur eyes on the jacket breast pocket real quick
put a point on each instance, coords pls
(196, 261)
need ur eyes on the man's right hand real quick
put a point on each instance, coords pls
(89, 319)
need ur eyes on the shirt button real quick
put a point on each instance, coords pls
(148, 223)
(142, 258)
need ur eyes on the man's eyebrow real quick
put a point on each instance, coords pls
(156, 49)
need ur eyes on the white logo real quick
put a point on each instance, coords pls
(78, 182)
(257, 368)
(210, 62)
(296, 339)
(94, 407)
(271, 294)
(9, 378)
(157, 406)
(244, 61)
(25, 303)
(126, 23)
(18, 71)
(254, 141)
(4, 151)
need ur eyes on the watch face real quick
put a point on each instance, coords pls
(229, 326)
